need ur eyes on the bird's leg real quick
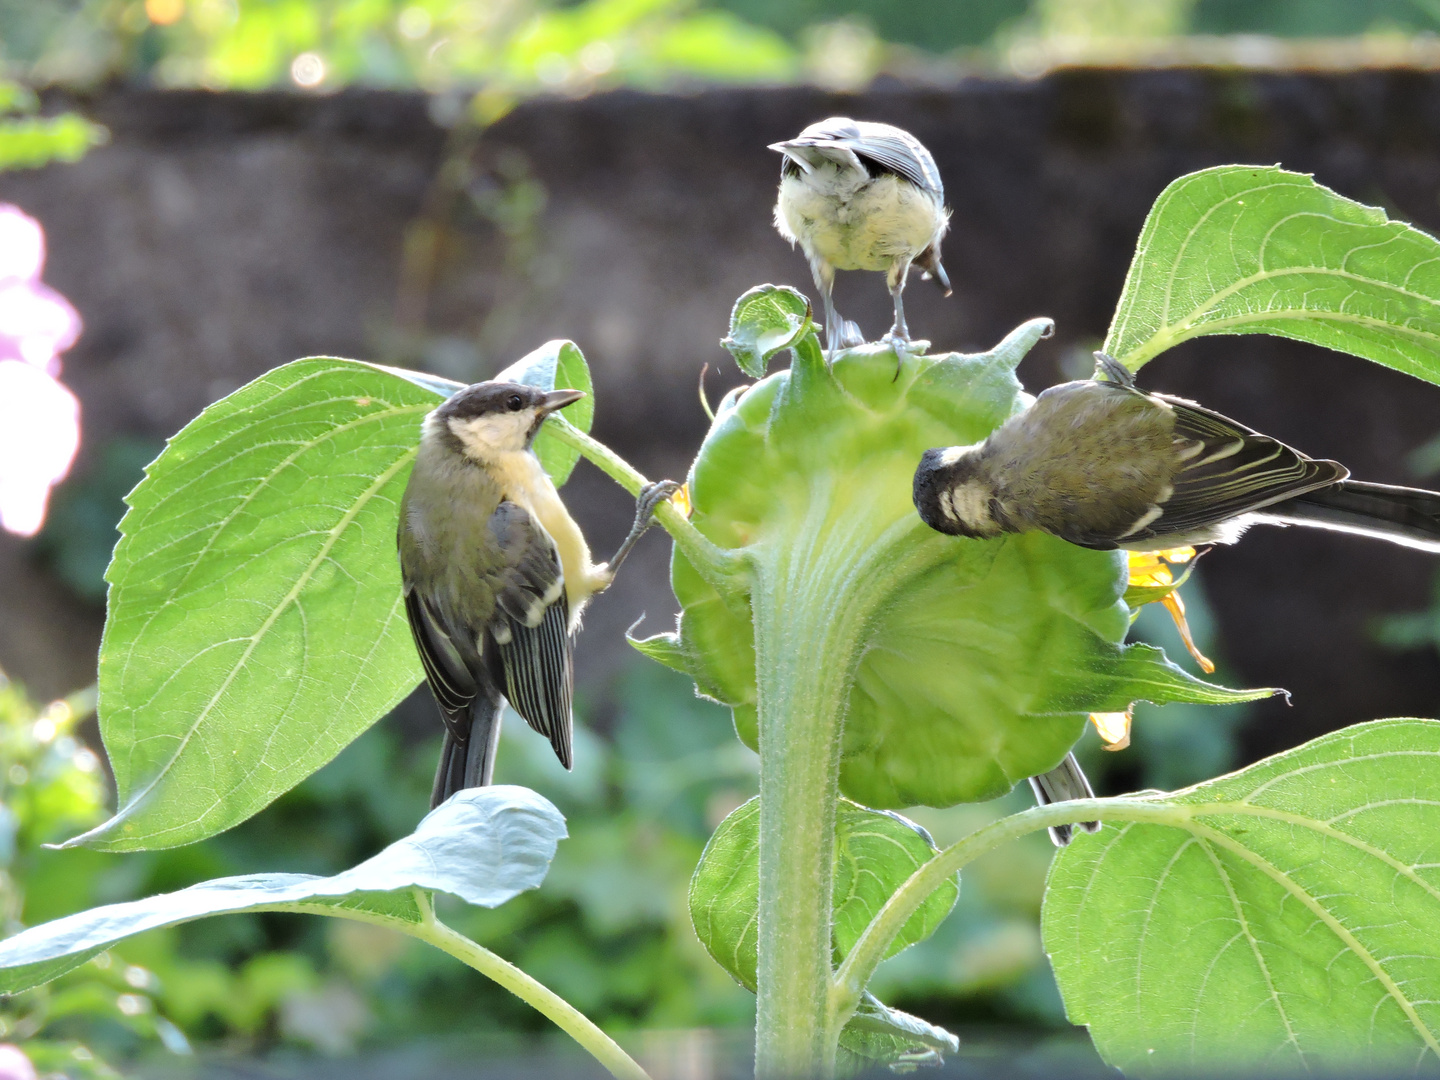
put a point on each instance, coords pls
(897, 275)
(899, 336)
(651, 496)
(839, 333)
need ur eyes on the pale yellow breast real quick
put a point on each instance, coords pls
(864, 230)
(526, 484)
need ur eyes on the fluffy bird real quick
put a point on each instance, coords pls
(857, 195)
(496, 573)
(1105, 465)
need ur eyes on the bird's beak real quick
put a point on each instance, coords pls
(558, 399)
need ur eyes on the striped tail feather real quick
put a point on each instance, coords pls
(1065, 781)
(470, 762)
(1408, 516)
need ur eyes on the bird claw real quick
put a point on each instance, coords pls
(904, 346)
(650, 498)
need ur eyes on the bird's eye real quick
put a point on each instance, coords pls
(515, 402)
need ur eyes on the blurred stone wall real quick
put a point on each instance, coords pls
(220, 235)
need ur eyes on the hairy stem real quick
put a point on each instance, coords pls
(724, 570)
(565, 1016)
(802, 677)
(855, 972)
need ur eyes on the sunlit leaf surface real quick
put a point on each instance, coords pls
(1286, 919)
(1244, 250)
(485, 845)
(255, 622)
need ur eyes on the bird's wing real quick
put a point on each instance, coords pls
(899, 152)
(531, 626)
(450, 678)
(1227, 470)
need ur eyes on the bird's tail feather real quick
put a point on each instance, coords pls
(1408, 516)
(469, 762)
(1065, 781)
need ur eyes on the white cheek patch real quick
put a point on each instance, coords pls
(946, 506)
(496, 433)
(971, 502)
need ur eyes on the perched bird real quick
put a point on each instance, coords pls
(1105, 465)
(857, 195)
(496, 574)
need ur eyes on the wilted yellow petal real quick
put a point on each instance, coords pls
(1114, 727)
(1176, 607)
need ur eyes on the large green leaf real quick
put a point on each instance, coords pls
(255, 623)
(971, 664)
(1245, 250)
(875, 852)
(484, 845)
(1286, 918)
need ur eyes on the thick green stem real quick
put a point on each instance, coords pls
(724, 570)
(801, 650)
(855, 972)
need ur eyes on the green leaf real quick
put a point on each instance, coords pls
(663, 649)
(1245, 250)
(766, 320)
(255, 624)
(484, 845)
(974, 662)
(557, 365)
(878, 1033)
(1286, 918)
(875, 852)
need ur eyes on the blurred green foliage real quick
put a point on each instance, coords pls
(517, 47)
(28, 141)
(80, 529)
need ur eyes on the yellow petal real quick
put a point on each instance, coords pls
(681, 501)
(1146, 568)
(1114, 728)
(1176, 607)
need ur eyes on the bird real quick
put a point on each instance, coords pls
(858, 195)
(495, 574)
(1106, 465)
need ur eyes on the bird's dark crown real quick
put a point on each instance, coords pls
(489, 399)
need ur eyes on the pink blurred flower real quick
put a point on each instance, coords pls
(39, 416)
(14, 1065)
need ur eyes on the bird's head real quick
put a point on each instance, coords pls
(953, 492)
(491, 418)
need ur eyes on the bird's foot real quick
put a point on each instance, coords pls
(848, 336)
(649, 500)
(899, 341)
(651, 496)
